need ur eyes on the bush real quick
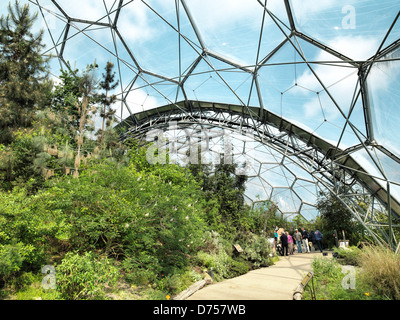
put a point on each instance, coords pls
(12, 258)
(380, 269)
(141, 271)
(221, 263)
(348, 256)
(83, 277)
(239, 267)
(256, 248)
(328, 278)
(326, 269)
(173, 284)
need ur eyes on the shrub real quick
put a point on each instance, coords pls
(12, 257)
(380, 269)
(213, 242)
(220, 262)
(83, 277)
(348, 256)
(239, 267)
(173, 284)
(328, 283)
(29, 286)
(256, 248)
(206, 259)
(325, 269)
(141, 271)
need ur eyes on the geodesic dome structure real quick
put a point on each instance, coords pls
(315, 85)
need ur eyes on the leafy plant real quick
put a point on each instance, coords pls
(348, 256)
(328, 277)
(380, 270)
(85, 276)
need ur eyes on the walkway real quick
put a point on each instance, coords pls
(276, 282)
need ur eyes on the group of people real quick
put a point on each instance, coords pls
(302, 240)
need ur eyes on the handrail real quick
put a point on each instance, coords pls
(303, 284)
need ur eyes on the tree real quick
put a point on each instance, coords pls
(335, 216)
(24, 83)
(225, 189)
(107, 84)
(65, 98)
(87, 87)
(270, 210)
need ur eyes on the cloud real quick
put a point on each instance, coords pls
(135, 23)
(89, 9)
(211, 15)
(307, 13)
(340, 80)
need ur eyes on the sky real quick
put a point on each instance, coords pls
(317, 95)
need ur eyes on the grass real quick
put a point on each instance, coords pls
(381, 270)
(377, 275)
(328, 277)
(123, 291)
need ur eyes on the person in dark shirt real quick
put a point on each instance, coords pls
(311, 239)
(318, 239)
(304, 237)
(284, 242)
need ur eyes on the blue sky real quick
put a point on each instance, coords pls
(316, 96)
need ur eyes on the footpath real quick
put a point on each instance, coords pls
(276, 282)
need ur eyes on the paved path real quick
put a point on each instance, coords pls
(276, 282)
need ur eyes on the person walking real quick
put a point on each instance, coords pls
(290, 242)
(304, 239)
(284, 243)
(311, 239)
(318, 239)
(297, 237)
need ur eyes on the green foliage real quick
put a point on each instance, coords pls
(335, 216)
(142, 269)
(11, 260)
(328, 278)
(220, 262)
(376, 275)
(24, 86)
(153, 221)
(24, 219)
(84, 276)
(256, 248)
(380, 270)
(324, 269)
(175, 283)
(348, 256)
(239, 267)
(106, 112)
(68, 99)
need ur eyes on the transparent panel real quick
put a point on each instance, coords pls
(306, 191)
(394, 34)
(257, 189)
(354, 28)
(309, 212)
(149, 92)
(286, 200)
(215, 81)
(276, 175)
(383, 86)
(86, 45)
(233, 28)
(90, 10)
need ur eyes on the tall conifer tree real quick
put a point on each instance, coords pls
(107, 84)
(23, 70)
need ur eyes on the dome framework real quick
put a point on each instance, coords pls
(315, 85)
